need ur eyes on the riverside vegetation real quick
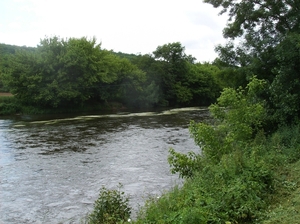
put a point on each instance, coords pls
(67, 75)
(243, 175)
(248, 168)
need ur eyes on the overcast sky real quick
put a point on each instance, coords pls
(129, 26)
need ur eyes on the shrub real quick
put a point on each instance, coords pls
(111, 207)
(241, 174)
(238, 116)
(9, 105)
(235, 190)
(184, 164)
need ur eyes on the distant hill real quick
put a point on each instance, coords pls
(6, 49)
(125, 55)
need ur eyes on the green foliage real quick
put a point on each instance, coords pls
(235, 190)
(241, 176)
(263, 17)
(173, 53)
(286, 141)
(287, 211)
(71, 72)
(174, 66)
(181, 81)
(230, 76)
(148, 96)
(269, 47)
(130, 84)
(202, 82)
(111, 207)
(9, 105)
(152, 94)
(6, 52)
(238, 115)
(234, 177)
(284, 96)
(183, 164)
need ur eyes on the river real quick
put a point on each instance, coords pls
(52, 168)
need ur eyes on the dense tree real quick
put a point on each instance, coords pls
(261, 23)
(6, 52)
(229, 76)
(154, 73)
(284, 89)
(72, 71)
(264, 29)
(203, 83)
(258, 26)
(175, 70)
(178, 81)
(75, 72)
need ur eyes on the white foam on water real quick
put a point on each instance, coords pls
(120, 115)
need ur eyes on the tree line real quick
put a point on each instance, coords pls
(78, 71)
(263, 41)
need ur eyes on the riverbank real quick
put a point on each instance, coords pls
(286, 206)
(10, 106)
(242, 175)
(259, 185)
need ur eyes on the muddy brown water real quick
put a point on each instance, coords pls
(52, 168)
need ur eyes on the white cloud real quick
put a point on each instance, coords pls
(130, 26)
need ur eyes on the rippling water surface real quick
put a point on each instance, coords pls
(51, 168)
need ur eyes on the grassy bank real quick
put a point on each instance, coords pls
(286, 206)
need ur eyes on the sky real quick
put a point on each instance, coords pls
(128, 26)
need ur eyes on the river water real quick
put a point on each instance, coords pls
(52, 168)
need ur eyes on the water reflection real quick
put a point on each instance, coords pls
(52, 169)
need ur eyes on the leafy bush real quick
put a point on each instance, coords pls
(239, 172)
(235, 190)
(229, 180)
(111, 207)
(241, 175)
(238, 116)
(9, 105)
(184, 164)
